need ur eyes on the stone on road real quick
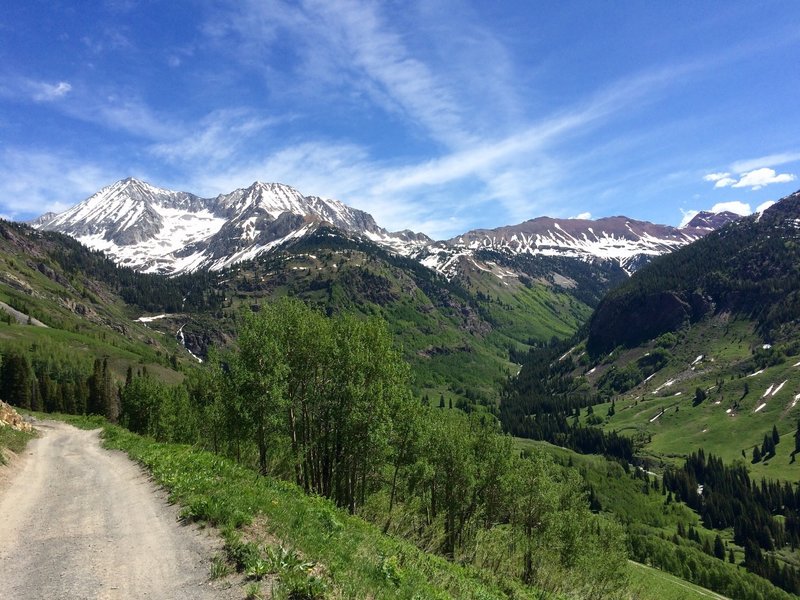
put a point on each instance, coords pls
(79, 521)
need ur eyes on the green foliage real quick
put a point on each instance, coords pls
(750, 268)
(13, 440)
(352, 556)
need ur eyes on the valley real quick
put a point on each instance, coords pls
(613, 359)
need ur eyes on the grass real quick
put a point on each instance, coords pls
(651, 584)
(355, 560)
(13, 440)
(726, 424)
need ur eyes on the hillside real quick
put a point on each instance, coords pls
(691, 369)
(64, 307)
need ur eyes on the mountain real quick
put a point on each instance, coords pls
(711, 220)
(157, 230)
(627, 242)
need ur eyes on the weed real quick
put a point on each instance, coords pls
(252, 591)
(303, 586)
(390, 570)
(219, 567)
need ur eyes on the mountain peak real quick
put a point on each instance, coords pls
(711, 220)
(154, 229)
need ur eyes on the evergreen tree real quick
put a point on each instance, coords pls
(776, 438)
(16, 379)
(756, 454)
(719, 548)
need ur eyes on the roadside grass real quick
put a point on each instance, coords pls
(79, 421)
(263, 518)
(13, 440)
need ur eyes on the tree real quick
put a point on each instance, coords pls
(719, 548)
(17, 378)
(756, 454)
(797, 438)
(776, 438)
(699, 396)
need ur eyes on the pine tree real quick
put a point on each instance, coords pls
(756, 454)
(776, 438)
(15, 383)
(797, 438)
(719, 548)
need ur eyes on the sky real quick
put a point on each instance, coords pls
(438, 116)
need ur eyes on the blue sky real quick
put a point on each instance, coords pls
(438, 116)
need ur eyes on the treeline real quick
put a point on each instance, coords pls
(325, 403)
(542, 400)
(45, 380)
(65, 260)
(725, 497)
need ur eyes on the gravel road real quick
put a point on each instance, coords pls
(79, 521)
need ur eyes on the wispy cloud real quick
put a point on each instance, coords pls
(217, 137)
(33, 182)
(49, 91)
(771, 160)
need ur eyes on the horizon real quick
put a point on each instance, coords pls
(439, 119)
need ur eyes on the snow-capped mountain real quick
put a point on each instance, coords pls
(628, 242)
(711, 220)
(157, 230)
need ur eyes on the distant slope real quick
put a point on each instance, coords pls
(749, 268)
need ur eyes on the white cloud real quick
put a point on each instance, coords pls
(724, 182)
(47, 92)
(716, 176)
(584, 216)
(764, 206)
(758, 178)
(688, 215)
(734, 206)
(33, 183)
(754, 179)
(217, 137)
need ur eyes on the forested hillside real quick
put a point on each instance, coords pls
(690, 371)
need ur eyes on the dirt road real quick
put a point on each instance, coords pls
(78, 521)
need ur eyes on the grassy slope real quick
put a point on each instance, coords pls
(727, 350)
(357, 560)
(84, 317)
(13, 440)
(454, 340)
(653, 584)
(621, 494)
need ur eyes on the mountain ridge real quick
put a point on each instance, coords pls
(153, 229)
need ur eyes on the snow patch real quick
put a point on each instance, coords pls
(760, 406)
(759, 372)
(149, 319)
(778, 389)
